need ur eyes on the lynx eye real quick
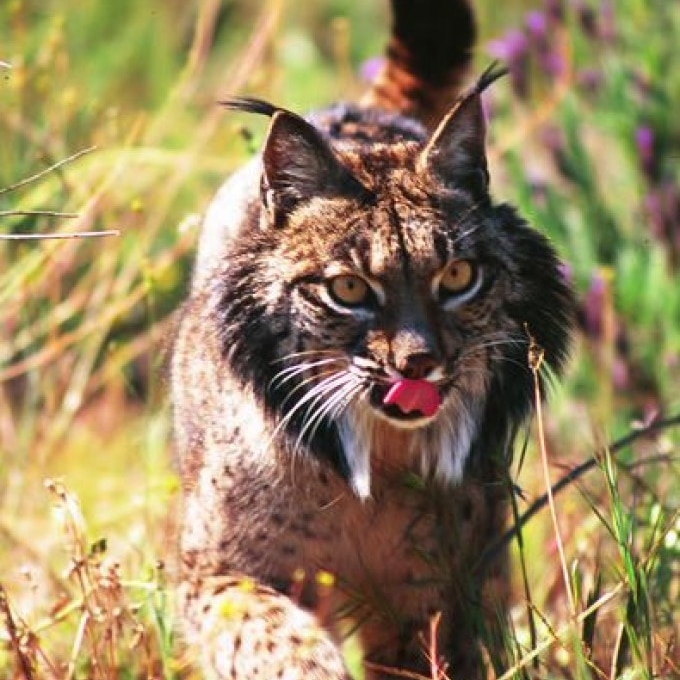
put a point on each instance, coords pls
(459, 277)
(349, 290)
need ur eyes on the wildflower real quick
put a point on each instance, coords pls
(662, 209)
(645, 143)
(553, 63)
(538, 30)
(594, 305)
(538, 186)
(553, 139)
(369, 69)
(590, 79)
(537, 25)
(607, 31)
(513, 49)
(554, 11)
(621, 373)
(566, 272)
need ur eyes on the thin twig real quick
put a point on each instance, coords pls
(37, 213)
(24, 663)
(561, 632)
(77, 644)
(46, 171)
(573, 475)
(535, 361)
(73, 234)
(394, 672)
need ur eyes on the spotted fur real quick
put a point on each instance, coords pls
(290, 460)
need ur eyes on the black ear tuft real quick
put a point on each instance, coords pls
(455, 156)
(298, 162)
(489, 76)
(250, 105)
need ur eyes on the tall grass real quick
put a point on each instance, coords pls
(107, 113)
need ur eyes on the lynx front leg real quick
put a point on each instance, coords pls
(239, 629)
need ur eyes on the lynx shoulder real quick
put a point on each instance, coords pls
(349, 374)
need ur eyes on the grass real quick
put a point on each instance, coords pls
(110, 116)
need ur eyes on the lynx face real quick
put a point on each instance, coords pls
(381, 285)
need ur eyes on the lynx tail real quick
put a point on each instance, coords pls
(428, 55)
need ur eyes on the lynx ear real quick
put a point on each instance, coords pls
(299, 165)
(455, 156)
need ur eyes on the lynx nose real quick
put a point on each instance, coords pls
(417, 366)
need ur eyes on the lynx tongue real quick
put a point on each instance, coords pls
(414, 395)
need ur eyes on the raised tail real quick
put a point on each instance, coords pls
(428, 55)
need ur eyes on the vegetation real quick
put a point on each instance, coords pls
(108, 122)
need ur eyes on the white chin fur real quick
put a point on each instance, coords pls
(441, 443)
(356, 434)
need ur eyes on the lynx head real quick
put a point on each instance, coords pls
(376, 282)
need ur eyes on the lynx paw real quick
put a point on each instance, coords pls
(241, 630)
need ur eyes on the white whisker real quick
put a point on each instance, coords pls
(322, 375)
(295, 355)
(314, 395)
(290, 372)
(315, 418)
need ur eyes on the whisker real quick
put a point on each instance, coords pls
(317, 376)
(339, 405)
(316, 393)
(290, 372)
(315, 410)
(368, 375)
(362, 390)
(314, 419)
(487, 345)
(307, 352)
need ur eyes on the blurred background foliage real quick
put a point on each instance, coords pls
(121, 99)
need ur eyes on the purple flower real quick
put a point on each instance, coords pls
(553, 64)
(553, 138)
(662, 209)
(511, 46)
(607, 21)
(554, 10)
(537, 24)
(645, 143)
(590, 79)
(513, 49)
(539, 194)
(566, 271)
(369, 69)
(594, 305)
(655, 213)
(620, 374)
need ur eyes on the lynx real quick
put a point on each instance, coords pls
(349, 375)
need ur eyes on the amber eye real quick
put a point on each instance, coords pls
(458, 277)
(349, 290)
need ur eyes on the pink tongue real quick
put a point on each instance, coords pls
(414, 395)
